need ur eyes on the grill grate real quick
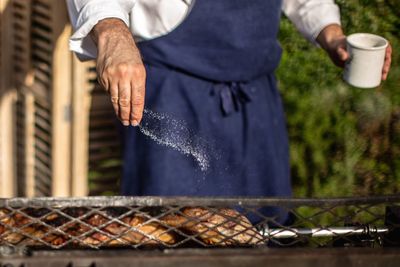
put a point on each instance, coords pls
(175, 222)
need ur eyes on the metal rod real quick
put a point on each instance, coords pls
(122, 201)
(322, 232)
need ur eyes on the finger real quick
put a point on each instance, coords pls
(124, 102)
(137, 102)
(114, 97)
(343, 54)
(388, 62)
(339, 56)
(102, 78)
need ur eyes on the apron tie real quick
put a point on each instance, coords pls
(233, 96)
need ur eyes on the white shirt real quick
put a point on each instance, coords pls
(148, 19)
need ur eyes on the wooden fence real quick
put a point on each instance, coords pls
(58, 134)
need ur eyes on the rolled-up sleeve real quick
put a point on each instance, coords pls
(85, 14)
(311, 16)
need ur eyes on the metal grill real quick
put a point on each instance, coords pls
(176, 222)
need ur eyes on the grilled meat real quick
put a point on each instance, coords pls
(148, 232)
(216, 227)
(4, 220)
(222, 227)
(139, 232)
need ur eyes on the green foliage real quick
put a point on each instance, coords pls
(344, 141)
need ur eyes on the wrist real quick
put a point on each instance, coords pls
(106, 27)
(329, 36)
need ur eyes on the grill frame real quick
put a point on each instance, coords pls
(335, 257)
(151, 201)
(96, 206)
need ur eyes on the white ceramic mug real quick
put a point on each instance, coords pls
(367, 56)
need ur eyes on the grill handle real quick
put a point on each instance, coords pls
(277, 233)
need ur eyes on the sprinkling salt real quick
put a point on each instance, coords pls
(175, 134)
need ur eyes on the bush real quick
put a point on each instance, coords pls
(344, 141)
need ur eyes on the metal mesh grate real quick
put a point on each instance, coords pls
(154, 222)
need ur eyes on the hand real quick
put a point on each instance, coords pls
(333, 40)
(120, 69)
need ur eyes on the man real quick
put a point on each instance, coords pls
(210, 64)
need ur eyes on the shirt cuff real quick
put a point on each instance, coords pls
(80, 42)
(326, 16)
(311, 19)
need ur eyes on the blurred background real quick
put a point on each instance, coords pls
(58, 134)
(344, 141)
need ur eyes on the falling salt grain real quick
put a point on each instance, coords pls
(176, 135)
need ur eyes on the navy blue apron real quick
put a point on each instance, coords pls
(215, 73)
